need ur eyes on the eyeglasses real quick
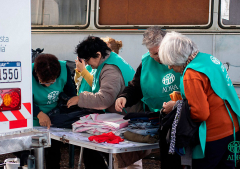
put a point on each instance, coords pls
(47, 83)
(155, 55)
(85, 60)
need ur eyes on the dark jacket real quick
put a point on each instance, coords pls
(133, 92)
(186, 135)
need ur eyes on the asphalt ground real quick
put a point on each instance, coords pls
(150, 162)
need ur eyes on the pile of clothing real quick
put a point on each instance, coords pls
(143, 127)
(106, 137)
(97, 124)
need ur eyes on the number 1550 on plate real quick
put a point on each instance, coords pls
(10, 72)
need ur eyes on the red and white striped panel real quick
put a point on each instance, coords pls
(16, 118)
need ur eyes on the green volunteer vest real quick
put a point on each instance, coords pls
(84, 86)
(157, 82)
(222, 86)
(46, 97)
(114, 59)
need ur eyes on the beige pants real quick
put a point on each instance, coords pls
(136, 165)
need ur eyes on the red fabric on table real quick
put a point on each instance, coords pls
(106, 137)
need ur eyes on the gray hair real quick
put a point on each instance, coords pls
(153, 36)
(175, 49)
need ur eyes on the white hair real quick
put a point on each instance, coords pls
(175, 49)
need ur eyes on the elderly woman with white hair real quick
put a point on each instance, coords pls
(211, 96)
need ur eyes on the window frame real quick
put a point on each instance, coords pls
(208, 25)
(68, 26)
(220, 23)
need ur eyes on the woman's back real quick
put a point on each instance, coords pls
(207, 106)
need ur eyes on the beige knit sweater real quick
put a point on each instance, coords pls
(111, 85)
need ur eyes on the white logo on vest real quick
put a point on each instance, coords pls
(215, 60)
(168, 79)
(170, 88)
(53, 97)
(228, 80)
(223, 68)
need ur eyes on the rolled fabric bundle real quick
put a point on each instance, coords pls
(175, 96)
(139, 138)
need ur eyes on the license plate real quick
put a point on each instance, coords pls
(10, 72)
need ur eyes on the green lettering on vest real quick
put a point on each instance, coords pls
(230, 157)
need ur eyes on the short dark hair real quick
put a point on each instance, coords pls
(90, 46)
(47, 67)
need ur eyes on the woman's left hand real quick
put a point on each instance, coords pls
(168, 106)
(73, 101)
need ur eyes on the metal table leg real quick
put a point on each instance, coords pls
(71, 156)
(39, 155)
(80, 157)
(110, 161)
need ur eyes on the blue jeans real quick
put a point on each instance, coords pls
(144, 132)
(143, 125)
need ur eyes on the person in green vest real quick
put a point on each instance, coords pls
(50, 77)
(214, 103)
(150, 74)
(153, 81)
(83, 77)
(110, 76)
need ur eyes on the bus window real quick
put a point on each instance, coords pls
(230, 13)
(59, 13)
(142, 13)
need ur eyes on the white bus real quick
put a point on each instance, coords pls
(214, 25)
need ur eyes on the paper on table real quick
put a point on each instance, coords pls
(71, 136)
(52, 129)
(120, 145)
(59, 132)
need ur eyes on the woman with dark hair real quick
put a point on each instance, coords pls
(47, 68)
(50, 77)
(83, 77)
(110, 76)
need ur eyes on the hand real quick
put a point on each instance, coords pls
(168, 106)
(80, 66)
(44, 120)
(73, 101)
(120, 103)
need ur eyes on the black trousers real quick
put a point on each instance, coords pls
(168, 161)
(94, 159)
(217, 155)
(23, 156)
(53, 155)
